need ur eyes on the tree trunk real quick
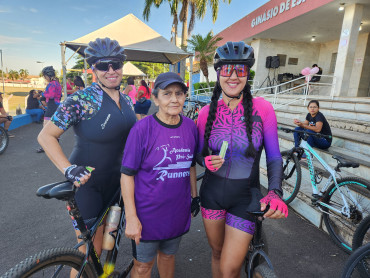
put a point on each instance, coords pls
(184, 37)
(204, 68)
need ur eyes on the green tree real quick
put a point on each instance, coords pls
(13, 75)
(152, 70)
(204, 48)
(23, 73)
(198, 9)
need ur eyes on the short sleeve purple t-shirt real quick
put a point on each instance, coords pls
(160, 157)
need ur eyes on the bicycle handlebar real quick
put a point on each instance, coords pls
(289, 130)
(198, 102)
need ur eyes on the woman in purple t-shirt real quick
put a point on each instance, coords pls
(159, 178)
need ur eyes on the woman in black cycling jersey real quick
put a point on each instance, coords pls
(101, 117)
(231, 187)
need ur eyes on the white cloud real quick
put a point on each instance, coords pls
(12, 40)
(33, 10)
(37, 32)
(79, 9)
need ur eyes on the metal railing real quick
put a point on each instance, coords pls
(297, 88)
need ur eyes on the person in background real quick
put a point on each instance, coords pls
(69, 86)
(315, 123)
(42, 100)
(158, 180)
(143, 100)
(5, 117)
(130, 89)
(52, 94)
(101, 117)
(34, 107)
(317, 77)
(79, 83)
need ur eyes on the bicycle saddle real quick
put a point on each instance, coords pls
(342, 162)
(59, 190)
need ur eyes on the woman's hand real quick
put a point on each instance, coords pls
(79, 175)
(278, 209)
(133, 229)
(213, 162)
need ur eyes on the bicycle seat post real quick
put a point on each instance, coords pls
(75, 214)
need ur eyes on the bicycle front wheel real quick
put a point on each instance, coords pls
(56, 262)
(4, 140)
(358, 264)
(263, 271)
(292, 175)
(362, 234)
(341, 228)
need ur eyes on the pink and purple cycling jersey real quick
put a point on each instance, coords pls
(229, 125)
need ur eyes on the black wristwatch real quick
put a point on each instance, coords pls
(279, 193)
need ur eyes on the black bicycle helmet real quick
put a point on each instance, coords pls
(234, 53)
(104, 48)
(48, 71)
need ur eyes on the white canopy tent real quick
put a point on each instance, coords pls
(131, 70)
(141, 43)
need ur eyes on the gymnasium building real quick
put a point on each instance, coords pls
(289, 35)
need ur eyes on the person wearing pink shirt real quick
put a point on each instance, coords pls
(131, 90)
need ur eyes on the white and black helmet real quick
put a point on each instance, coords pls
(234, 53)
(104, 48)
(48, 71)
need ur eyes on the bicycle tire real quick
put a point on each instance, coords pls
(358, 264)
(340, 228)
(263, 271)
(362, 233)
(4, 140)
(292, 176)
(34, 265)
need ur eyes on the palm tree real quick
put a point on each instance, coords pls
(204, 50)
(197, 8)
(23, 73)
(13, 75)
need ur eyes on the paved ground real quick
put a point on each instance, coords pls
(30, 224)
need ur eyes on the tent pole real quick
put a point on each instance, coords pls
(64, 69)
(191, 76)
(85, 73)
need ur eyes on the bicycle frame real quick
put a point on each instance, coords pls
(86, 236)
(333, 177)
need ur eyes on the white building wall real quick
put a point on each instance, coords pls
(307, 54)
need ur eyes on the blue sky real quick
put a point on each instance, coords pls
(31, 31)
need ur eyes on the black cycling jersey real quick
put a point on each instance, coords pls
(101, 129)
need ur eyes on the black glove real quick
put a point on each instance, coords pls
(10, 118)
(195, 205)
(74, 173)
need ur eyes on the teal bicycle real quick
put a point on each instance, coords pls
(344, 202)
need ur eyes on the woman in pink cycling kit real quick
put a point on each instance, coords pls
(231, 186)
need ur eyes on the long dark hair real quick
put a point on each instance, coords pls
(143, 83)
(248, 109)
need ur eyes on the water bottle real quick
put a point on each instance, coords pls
(111, 225)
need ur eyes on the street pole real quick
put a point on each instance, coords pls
(2, 70)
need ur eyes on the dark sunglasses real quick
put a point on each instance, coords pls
(227, 70)
(104, 65)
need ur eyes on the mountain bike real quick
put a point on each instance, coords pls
(344, 202)
(362, 234)
(193, 112)
(59, 262)
(358, 264)
(4, 140)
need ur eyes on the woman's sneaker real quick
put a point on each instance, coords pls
(10, 135)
